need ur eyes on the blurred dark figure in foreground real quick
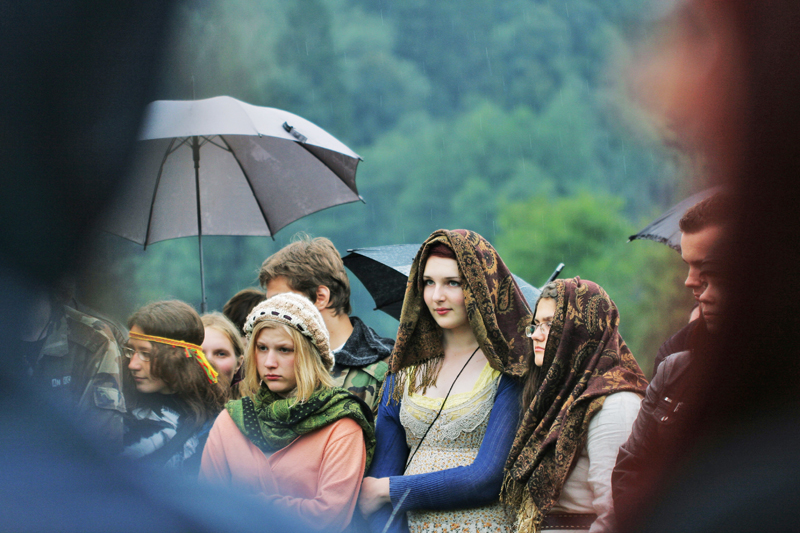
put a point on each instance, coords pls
(726, 75)
(74, 362)
(77, 76)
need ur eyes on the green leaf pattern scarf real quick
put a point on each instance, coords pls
(272, 422)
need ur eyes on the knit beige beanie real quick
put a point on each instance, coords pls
(297, 312)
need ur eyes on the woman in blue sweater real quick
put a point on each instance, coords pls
(450, 407)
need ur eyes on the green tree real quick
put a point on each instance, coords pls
(587, 233)
(472, 114)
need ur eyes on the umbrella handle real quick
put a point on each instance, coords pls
(555, 273)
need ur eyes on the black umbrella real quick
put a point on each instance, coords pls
(383, 270)
(665, 228)
(224, 167)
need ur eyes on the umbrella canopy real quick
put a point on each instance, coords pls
(383, 270)
(224, 167)
(259, 169)
(665, 229)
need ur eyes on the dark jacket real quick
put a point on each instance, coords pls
(654, 441)
(679, 342)
(362, 363)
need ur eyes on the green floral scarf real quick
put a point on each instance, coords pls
(272, 422)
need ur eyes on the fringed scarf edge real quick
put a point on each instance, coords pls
(514, 494)
(419, 377)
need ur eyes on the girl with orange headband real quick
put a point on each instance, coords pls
(173, 392)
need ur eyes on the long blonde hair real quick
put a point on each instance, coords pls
(223, 324)
(309, 369)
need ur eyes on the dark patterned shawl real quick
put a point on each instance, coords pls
(496, 310)
(272, 422)
(585, 360)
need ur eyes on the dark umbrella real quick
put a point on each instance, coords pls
(665, 228)
(383, 270)
(223, 167)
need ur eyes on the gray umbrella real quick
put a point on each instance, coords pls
(224, 167)
(665, 228)
(384, 270)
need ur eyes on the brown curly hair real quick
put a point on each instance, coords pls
(177, 320)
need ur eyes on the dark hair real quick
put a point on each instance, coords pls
(716, 210)
(440, 249)
(240, 305)
(307, 264)
(177, 320)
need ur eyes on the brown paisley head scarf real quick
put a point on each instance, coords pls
(496, 311)
(585, 360)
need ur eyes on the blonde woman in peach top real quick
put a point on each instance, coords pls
(293, 439)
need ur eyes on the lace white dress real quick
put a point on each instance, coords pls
(454, 440)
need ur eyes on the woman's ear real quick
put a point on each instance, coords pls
(323, 298)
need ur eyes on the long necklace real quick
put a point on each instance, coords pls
(442, 407)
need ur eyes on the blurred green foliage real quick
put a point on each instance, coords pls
(507, 118)
(644, 280)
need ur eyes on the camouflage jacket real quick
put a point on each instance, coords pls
(80, 365)
(364, 382)
(362, 363)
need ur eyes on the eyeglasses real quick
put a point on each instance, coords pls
(530, 331)
(128, 351)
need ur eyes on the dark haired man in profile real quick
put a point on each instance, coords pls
(655, 438)
(702, 227)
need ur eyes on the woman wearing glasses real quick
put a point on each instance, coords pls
(451, 405)
(581, 397)
(173, 394)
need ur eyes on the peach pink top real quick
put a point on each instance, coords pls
(316, 478)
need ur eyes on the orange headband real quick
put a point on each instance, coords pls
(191, 349)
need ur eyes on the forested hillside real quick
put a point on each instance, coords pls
(506, 117)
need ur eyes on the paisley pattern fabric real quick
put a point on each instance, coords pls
(585, 360)
(272, 422)
(496, 311)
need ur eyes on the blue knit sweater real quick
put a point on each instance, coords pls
(456, 488)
